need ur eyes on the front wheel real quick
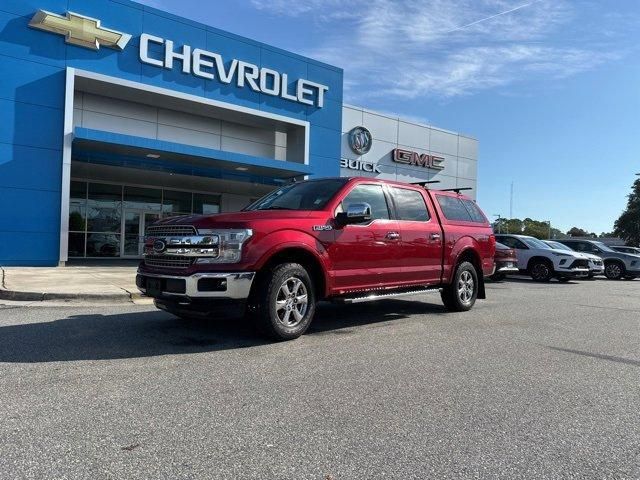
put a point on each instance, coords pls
(613, 271)
(463, 291)
(284, 303)
(541, 271)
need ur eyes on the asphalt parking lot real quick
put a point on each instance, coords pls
(538, 381)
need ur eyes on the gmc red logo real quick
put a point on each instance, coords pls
(418, 159)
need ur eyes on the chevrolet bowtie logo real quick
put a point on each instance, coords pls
(80, 30)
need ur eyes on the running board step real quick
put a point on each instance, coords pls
(372, 297)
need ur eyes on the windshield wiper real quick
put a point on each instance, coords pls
(275, 207)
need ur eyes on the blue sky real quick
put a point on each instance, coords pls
(550, 88)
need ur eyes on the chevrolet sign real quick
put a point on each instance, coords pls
(87, 32)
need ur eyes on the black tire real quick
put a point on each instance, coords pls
(498, 277)
(614, 270)
(280, 315)
(591, 276)
(541, 270)
(461, 295)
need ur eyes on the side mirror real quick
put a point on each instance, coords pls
(356, 213)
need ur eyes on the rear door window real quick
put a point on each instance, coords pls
(512, 242)
(409, 205)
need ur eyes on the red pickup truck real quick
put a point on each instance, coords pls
(340, 239)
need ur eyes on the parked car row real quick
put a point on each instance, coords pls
(562, 259)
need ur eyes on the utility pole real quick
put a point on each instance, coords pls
(549, 222)
(511, 202)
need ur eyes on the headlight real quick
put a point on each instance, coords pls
(229, 247)
(560, 254)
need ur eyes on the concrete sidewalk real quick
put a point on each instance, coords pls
(101, 283)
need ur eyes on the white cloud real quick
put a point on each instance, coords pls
(447, 48)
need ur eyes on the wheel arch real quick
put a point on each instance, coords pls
(471, 255)
(302, 255)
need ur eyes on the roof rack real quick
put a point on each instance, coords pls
(457, 190)
(425, 183)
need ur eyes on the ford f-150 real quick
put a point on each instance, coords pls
(340, 239)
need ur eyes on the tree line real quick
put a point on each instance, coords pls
(627, 226)
(540, 229)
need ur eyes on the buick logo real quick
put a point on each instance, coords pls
(360, 140)
(159, 246)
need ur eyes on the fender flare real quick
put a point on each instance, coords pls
(296, 240)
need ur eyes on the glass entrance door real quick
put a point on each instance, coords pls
(134, 224)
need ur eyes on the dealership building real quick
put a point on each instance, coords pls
(116, 114)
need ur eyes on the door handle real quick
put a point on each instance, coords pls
(435, 236)
(392, 236)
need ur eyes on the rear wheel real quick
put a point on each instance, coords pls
(284, 303)
(541, 271)
(614, 270)
(463, 291)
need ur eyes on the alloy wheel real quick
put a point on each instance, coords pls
(466, 287)
(540, 271)
(292, 302)
(613, 270)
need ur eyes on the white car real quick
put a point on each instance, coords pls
(596, 265)
(542, 262)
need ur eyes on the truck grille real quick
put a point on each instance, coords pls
(171, 231)
(167, 261)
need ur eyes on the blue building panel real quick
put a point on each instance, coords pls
(29, 168)
(38, 212)
(32, 93)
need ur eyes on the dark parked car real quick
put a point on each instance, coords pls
(617, 265)
(506, 262)
(631, 250)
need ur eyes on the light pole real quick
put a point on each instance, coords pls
(549, 222)
(499, 222)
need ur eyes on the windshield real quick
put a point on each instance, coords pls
(535, 243)
(603, 247)
(309, 195)
(558, 246)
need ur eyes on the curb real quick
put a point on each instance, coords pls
(41, 297)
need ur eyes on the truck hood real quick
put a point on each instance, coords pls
(244, 219)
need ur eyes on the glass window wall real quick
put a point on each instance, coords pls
(96, 215)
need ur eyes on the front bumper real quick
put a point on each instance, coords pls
(216, 285)
(507, 267)
(577, 272)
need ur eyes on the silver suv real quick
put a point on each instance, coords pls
(617, 265)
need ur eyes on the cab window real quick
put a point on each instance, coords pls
(371, 194)
(409, 205)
